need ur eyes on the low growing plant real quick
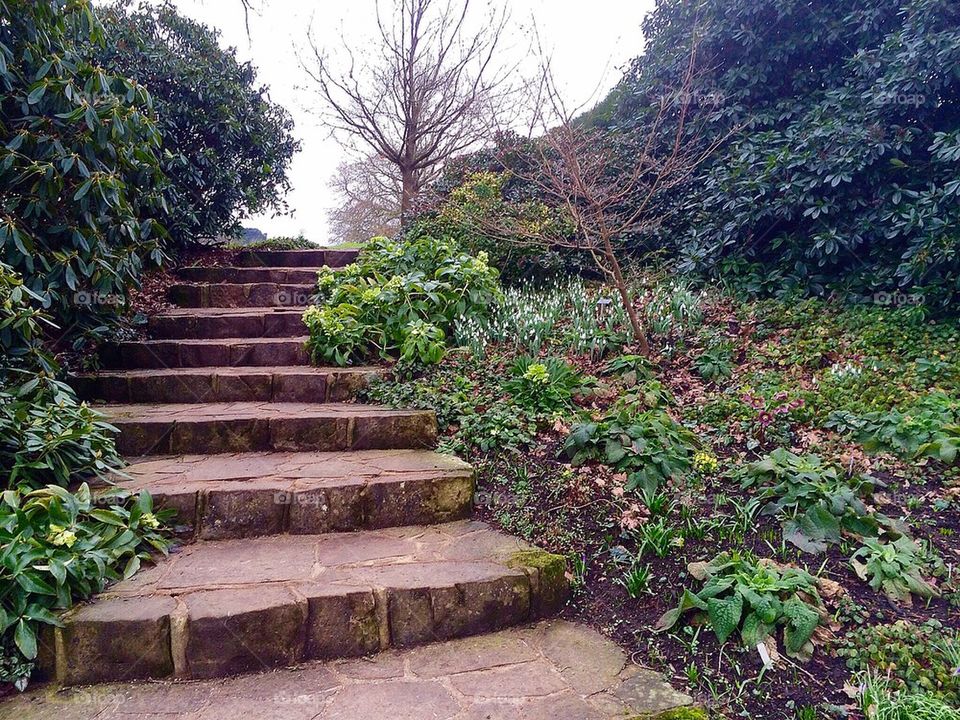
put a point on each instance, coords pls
(754, 597)
(893, 567)
(914, 656)
(543, 386)
(650, 446)
(59, 547)
(816, 501)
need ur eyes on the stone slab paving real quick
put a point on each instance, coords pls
(207, 352)
(250, 494)
(232, 295)
(223, 323)
(170, 428)
(554, 670)
(222, 607)
(246, 274)
(287, 383)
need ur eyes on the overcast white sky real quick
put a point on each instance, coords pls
(590, 41)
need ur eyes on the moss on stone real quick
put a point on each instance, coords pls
(539, 559)
(690, 712)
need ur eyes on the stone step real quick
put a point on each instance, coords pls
(218, 608)
(553, 670)
(220, 323)
(296, 258)
(250, 426)
(229, 295)
(293, 383)
(188, 353)
(249, 494)
(215, 274)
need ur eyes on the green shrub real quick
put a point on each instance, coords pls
(47, 436)
(901, 431)
(914, 656)
(476, 214)
(815, 500)
(226, 148)
(543, 386)
(650, 446)
(754, 597)
(715, 362)
(59, 547)
(79, 172)
(400, 297)
(945, 444)
(275, 243)
(893, 567)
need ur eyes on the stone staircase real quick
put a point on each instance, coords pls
(311, 527)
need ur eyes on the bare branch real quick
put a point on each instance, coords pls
(425, 94)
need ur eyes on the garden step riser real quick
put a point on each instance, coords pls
(323, 434)
(221, 608)
(186, 354)
(201, 388)
(206, 635)
(240, 296)
(277, 506)
(271, 324)
(304, 276)
(296, 258)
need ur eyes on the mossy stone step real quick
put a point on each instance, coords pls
(238, 295)
(250, 426)
(293, 383)
(314, 259)
(220, 274)
(221, 323)
(194, 353)
(223, 607)
(249, 494)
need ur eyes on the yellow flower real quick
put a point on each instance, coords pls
(61, 536)
(149, 520)
(705, 463)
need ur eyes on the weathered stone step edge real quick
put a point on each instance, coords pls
(191, 353)
(297, 383)
(234, 295)
(225, 323)
(221, 428)
(553, 670)
(200, 274)
(296, 258)
(277, 505)
(217, 631)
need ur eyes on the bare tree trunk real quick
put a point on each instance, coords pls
(639, 333)
(408, 193)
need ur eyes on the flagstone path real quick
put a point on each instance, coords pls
(321, 542)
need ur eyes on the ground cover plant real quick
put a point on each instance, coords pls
(717, 499)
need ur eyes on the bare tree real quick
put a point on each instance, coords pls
(423, 93)
(369, 195)
(606, 185)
